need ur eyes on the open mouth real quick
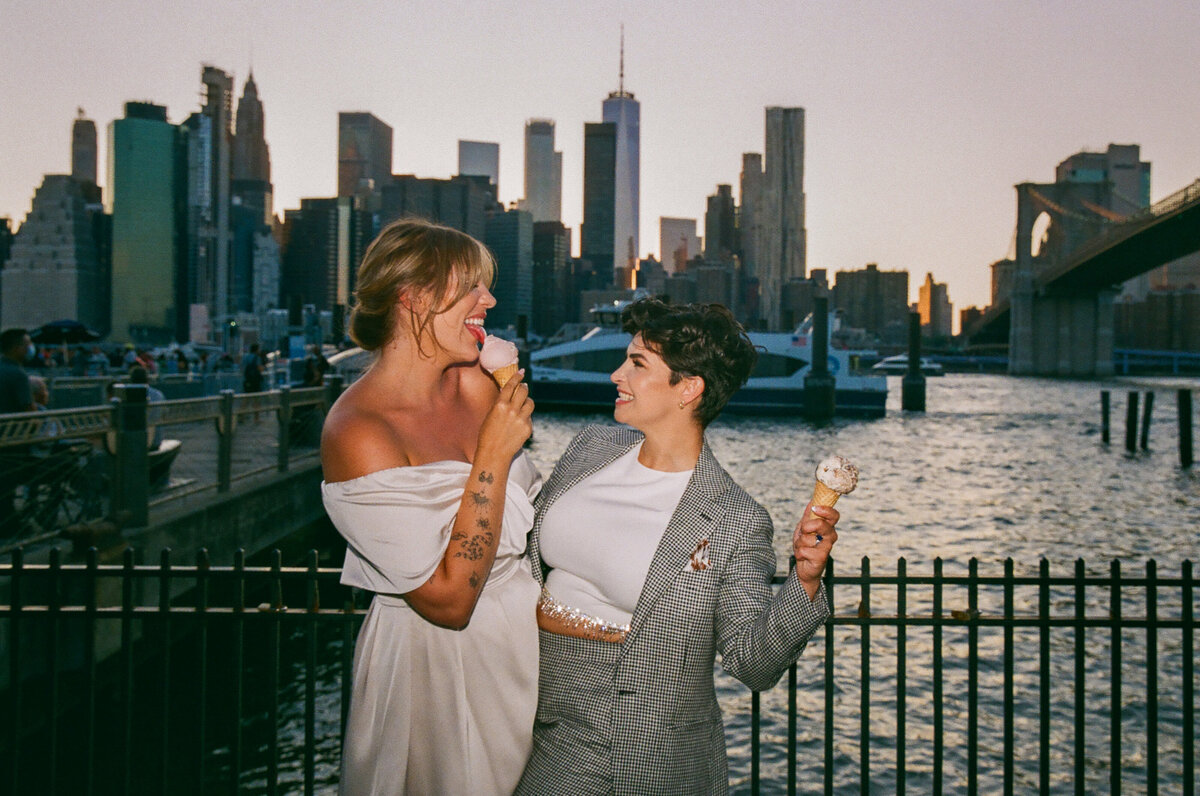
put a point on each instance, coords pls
(623, 397)
(475, 327)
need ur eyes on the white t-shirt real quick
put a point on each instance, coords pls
(600, 537)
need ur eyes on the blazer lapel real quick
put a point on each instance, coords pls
(694, 519)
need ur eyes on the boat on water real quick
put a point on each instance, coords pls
(898, 366)
(575, 374)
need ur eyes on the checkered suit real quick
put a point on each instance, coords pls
(662, 729)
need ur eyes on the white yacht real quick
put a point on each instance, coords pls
(575, 374)
(898, 366)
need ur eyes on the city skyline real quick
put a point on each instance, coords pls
(910, 161)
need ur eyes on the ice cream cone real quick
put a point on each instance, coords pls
(502, 375)
(824, 496)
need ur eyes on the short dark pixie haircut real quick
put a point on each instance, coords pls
(696, 340)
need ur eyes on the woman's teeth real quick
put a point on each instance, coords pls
(475, 327)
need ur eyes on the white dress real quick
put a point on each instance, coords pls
(436, 711)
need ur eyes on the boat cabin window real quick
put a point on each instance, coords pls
(601, 361)
(776, 366)
(608, 360)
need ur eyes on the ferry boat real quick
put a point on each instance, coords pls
(575, 374)
(898, 366)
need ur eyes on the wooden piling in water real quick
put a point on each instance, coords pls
(820, 390)
(912, 386)
(1185, 428)
(1105, 407)
(1131, 423)
(1147, 410)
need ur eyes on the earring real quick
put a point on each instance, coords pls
(681, 404)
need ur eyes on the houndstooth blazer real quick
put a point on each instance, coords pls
(668, 736)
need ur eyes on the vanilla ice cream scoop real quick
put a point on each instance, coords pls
(498, 357)
(836, 476)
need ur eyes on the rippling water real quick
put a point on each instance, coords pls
(996, 468)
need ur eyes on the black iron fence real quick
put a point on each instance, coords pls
(70, 471)
(127, 677)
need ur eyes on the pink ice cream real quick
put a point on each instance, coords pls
(499, 358)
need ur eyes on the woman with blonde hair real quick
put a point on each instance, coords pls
(426, 479)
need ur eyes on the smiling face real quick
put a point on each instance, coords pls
(646, 398)
(458, 330)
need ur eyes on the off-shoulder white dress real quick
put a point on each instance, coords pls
(436, 711)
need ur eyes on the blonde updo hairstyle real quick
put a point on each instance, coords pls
(413, 257)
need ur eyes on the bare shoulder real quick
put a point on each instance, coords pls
(357, 440)
(478, 385)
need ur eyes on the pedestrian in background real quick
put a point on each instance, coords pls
(15, 393)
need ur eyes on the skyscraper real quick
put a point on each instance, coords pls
(624, 112)
(750, 211)
(83, 150)
(677, 243)
(252, 213)
(553, 284)
(364, 152)
(326, 239)
(145, 181)
(251, 156)
(480, 159)
(783, 238)
(599, 200)
(460, 202)
(209, 145)
(509, 235)
(543, 172)
(1127, 176)
(54, 269)
(875, 301)
(720, 233)
(933, 303)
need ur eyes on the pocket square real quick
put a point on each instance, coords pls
(699, 558)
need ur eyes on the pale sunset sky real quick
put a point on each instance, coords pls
(921, 114)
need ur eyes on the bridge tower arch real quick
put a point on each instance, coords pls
(1059, 334)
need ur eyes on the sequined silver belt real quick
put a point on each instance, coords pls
(573, 622)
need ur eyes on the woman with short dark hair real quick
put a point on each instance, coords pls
(653, 560)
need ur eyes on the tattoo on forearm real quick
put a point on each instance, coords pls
(472, 550)
(483, 522)
(486, 477)
(474, 580)
(480, 498)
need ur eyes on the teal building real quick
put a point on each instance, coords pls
(146, 190)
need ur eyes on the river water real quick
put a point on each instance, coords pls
(997, 468)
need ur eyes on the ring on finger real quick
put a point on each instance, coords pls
(820, 538)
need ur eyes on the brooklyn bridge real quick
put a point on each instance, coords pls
(1054, 306)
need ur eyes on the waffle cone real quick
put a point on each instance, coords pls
(502, 375)
(824, 496)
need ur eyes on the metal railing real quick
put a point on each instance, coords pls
(133, 678)
(1127, 360)
(65, 471)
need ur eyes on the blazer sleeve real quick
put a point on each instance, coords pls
(760, 634)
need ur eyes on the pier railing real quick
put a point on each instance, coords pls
(942, 682)
(70, 471)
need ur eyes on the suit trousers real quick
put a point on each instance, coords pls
(572, 731)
